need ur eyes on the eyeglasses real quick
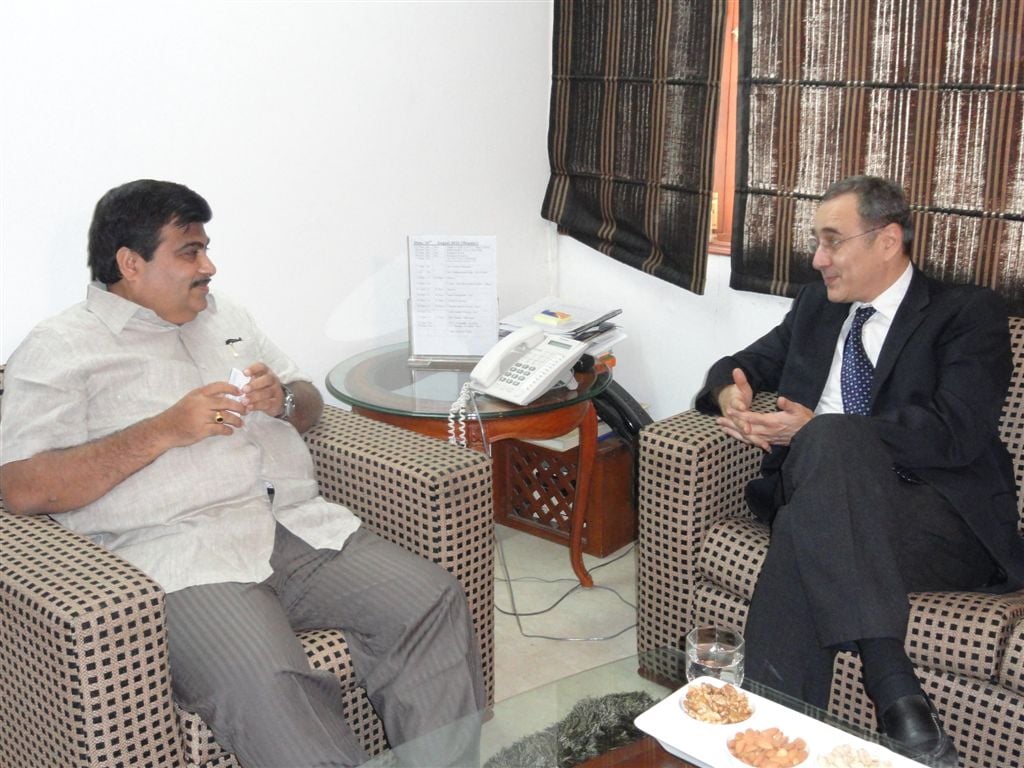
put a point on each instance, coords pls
(831, 244)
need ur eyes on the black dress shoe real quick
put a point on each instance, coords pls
(913, 723)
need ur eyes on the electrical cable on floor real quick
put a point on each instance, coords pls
(458, 412)
(573, 580)
(518, 615)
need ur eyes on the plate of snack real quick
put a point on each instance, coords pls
(717, 725)
(767, 748)
(709, 701)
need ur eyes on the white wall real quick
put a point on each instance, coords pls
(323, 134)
(674, 335)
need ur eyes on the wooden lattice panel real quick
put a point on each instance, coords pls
(535, 489)
(542, 486)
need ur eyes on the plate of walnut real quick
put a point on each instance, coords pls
(716, 725)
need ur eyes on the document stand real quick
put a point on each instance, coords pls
(444, 363)
(453, 301)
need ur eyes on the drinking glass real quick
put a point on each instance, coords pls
(714, 652)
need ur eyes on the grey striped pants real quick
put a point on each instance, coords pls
(236, 662)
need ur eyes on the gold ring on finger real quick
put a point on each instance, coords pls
(218, 417)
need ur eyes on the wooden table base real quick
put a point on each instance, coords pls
(535, 426)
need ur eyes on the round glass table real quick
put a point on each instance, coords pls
(381, 384)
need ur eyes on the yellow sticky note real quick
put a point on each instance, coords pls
(552, 317)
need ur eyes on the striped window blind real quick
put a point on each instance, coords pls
(634, 101)
(925, 92)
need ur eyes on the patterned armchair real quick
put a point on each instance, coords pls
(700, 552)
(83, 657)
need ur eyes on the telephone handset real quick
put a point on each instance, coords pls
(526, 364)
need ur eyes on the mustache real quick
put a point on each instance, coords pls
(201, 281)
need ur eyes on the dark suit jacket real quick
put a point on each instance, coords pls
(940, 382)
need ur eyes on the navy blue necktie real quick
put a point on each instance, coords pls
(857, 372)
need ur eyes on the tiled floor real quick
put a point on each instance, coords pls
(541, 577)
(528, 657)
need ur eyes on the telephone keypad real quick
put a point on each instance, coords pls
(518, 373)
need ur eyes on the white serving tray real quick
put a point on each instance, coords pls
(704, 744)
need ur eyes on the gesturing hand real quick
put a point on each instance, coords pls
(736, 396)
(761, 429)
(767, 429)
(263, 392)
(734, 402)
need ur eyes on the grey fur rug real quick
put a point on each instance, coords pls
(593, 727)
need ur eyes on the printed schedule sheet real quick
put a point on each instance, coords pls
(453, 296)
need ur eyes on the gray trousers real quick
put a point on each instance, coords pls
(850, 541)
(236, 662)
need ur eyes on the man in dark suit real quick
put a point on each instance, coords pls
(884, 473)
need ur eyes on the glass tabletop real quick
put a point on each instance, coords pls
(514, 733)
(543, 711)
(523, 716)
(383, 380)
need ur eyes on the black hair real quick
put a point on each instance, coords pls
(132, 215)
(879, 202)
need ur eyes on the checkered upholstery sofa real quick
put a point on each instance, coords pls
(700, 551)
(83, 654)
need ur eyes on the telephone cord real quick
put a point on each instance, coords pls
(457, 417)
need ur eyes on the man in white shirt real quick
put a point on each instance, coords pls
(884, 473)
(119, 420)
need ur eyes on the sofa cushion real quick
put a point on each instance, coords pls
(732, 553)
(1011, 675)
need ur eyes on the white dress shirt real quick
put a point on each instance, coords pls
(198, 514)
(872, 335)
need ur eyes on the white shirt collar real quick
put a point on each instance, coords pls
(115, 311)
(889, 300)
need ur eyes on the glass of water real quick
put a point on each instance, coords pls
(713, 652)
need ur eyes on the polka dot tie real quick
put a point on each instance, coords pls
(857, 371)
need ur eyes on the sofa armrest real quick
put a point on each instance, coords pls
(83, 655)
(421, 493)
(970, 634)
(691, 474)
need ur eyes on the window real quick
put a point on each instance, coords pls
(724, 185)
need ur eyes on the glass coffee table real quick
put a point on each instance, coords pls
(518, 731)
(381, 384)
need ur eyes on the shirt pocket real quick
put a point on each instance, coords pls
(238, 353)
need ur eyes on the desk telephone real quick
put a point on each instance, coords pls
(526, 364)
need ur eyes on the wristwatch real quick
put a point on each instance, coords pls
(289, 403)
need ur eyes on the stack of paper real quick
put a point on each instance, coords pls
(584, 323)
